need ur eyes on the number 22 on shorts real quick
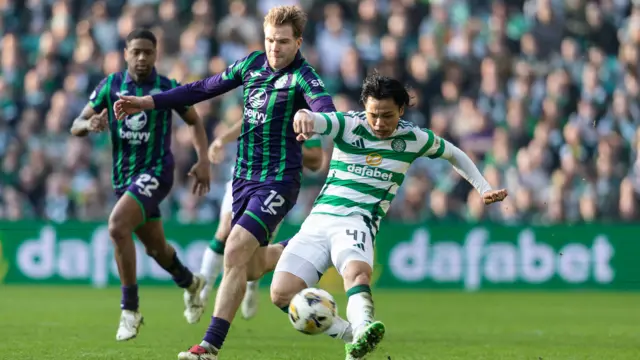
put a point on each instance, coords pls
(146, 184)
(273, 202)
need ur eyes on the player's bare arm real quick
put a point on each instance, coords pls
(216, 149)
(312, 158)
(200, 170)
(89, 121)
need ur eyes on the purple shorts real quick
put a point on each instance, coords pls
(260, 206)
(149, 190)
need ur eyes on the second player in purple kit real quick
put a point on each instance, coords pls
(277, 83)
(143, 168)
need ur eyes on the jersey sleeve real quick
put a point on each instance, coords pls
(333, 124)
(201, 90)
(314, 142)
(434, 146)
(314, 91)
(99, 98)
(180, 109)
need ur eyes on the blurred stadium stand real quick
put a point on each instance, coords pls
(543, 94)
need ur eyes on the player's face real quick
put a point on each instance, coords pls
(141, 57)
(383, 116)
(280, 44)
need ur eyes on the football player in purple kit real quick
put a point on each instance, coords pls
(213, 258)
(143, 170)
(277, 83)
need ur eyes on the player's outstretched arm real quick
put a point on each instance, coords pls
(463, 166)
(307, 123)
(216, 149)
(89, 121)
(188, 94)
(95, 115)
(200, 171)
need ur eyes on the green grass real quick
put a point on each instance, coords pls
(67, 323)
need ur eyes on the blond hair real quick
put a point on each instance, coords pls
(287, 15)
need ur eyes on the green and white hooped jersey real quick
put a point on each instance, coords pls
(365, 171)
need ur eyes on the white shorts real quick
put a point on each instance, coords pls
(227, 199)
(325, 240)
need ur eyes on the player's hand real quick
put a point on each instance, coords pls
(129, 105)
(202, 179)
(216, 152)
(303, 125)
(98, 122)
(494, 196)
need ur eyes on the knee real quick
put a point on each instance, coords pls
(280, 297)
(357, 273)
(118, 229)
(237, 254)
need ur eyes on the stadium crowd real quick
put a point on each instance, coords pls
(543, 94)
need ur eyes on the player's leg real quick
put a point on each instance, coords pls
(249, 306)
(213, 258)
(258, 209)
(352, 253)
(125, 217)
(303, 261)
(152, 236)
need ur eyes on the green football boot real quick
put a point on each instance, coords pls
(366, 342)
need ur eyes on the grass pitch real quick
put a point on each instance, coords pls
(67, 323)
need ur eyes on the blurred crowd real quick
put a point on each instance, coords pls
(543, 95)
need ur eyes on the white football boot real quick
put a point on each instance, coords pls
(211, 268)
(130, 322)
(193, 305)
(250, 301)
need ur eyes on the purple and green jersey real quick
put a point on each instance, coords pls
(142, 142)
(267, 147)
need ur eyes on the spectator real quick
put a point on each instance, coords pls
(543, 95)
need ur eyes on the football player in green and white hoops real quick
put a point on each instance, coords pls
(373, 151)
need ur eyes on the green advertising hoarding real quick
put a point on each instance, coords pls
(426, 256)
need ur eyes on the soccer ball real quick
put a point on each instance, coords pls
(312, 310)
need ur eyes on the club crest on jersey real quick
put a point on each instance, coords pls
(373, 159)
(398, 145)
(281, 82)
(257, 98)
(137, 121)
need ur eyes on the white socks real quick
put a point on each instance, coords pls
(360, 310)
(211, 267)
(340, 329)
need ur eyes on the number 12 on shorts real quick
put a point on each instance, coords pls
(273, 202)
(363, 237)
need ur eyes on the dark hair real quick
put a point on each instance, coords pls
(382, 87)
(142, 33)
